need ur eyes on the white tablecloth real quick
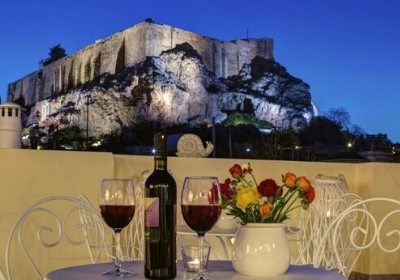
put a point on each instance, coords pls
(217, 270)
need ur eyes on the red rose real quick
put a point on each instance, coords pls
(229, 194)
(226, 191)
(269, 188)
(225, 186)
(236, 171)
(310, 194)
(214, 193)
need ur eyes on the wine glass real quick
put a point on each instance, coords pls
(201, 208)
(117, 206)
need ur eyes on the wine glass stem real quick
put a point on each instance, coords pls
(201, 272)
(117, 265)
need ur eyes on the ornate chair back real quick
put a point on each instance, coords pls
(365, 224)
(310, 227)
(41, 239)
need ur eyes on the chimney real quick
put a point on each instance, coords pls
(10, 125)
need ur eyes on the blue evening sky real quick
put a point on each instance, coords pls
(348, 51)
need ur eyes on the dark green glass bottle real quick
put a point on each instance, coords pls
(160, 216)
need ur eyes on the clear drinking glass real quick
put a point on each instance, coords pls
(201, 207)
(117, 206)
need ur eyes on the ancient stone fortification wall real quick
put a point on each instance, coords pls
(129, 47)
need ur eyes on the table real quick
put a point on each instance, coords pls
(217, 270)
(223, 235)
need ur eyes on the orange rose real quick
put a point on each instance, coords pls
(303, 183)
(266, 209)
(289, 179)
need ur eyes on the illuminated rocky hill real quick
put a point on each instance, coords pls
(129, 81)
(176, 88)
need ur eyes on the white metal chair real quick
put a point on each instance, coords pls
(310, 227)
(40, 239)
(303, 230)
(376, 226)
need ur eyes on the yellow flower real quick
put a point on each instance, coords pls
(303, 183)
(289, 179)
(266, 209)
(246, 196)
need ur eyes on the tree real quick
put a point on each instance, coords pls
(71, 135)
(236, 119)
(340, 116)
(55, 53)
(323, 131)
(279, 142)
(357, 130)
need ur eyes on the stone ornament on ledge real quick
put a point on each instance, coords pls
(190, 145)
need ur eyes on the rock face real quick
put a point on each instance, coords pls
(176, 88)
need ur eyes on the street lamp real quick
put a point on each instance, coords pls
(89, 101)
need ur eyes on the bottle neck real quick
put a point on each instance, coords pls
(160, 155)
(160, 163)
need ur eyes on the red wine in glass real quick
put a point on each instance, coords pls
(117, 208)
(201, 222)
(117, 216)
(201, 207)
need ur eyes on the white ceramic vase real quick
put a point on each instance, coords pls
(261, 250)
(227, 221)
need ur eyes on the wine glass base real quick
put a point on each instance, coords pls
(200, 277)
(118, 273)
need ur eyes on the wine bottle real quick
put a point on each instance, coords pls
(160, 216)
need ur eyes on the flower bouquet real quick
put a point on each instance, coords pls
(265, 202)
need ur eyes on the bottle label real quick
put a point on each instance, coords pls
(152, 212)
